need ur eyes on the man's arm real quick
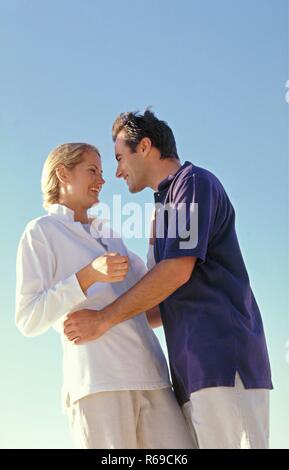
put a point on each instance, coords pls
(159, 283)
(154, 317)
(164, 279)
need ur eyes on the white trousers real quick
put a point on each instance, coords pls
(138, 419)
(229, 417)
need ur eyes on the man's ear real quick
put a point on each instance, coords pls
(145, 146)
(62, 174)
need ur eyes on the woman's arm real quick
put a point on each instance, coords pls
(38, 304)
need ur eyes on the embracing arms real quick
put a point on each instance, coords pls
(165, 278)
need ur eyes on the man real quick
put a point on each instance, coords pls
(215, 338)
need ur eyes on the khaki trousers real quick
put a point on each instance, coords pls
(138, 419)
(229, 417)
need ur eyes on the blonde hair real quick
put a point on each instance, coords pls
(69, 155)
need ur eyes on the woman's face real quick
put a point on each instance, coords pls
(84, 182)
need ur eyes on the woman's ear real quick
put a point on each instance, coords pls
(62, 174)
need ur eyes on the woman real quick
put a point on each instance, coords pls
(116, 389)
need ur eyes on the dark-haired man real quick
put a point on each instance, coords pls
(215, 338)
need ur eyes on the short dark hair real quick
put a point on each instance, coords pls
(138, 126)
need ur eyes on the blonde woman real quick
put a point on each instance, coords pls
(116, 389)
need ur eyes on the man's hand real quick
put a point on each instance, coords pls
(85, 325)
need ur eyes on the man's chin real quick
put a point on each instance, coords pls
(134, 189)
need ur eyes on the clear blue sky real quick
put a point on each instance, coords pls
(216, 71)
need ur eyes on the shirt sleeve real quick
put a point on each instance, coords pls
(191, 219)
(137, 265)
(151, 262)
(39, 303)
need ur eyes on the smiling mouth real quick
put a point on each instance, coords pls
(95, 191)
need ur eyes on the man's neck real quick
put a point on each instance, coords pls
(162, 169)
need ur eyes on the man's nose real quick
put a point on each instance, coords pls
(118, 172)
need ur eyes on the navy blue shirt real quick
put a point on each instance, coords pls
(212, 323)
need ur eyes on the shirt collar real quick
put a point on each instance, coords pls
(67, 215)
(167, 181)
(61, 211)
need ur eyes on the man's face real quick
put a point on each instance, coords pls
(131, 165)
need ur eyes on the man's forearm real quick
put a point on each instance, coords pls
(152, 289)
(154, 317)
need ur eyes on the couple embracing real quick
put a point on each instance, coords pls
(78, 276)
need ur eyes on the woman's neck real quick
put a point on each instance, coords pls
(80, 214)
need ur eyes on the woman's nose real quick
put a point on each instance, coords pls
(99, 181)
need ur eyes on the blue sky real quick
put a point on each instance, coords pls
(216, 71)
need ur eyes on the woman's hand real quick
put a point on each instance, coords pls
(110, 267)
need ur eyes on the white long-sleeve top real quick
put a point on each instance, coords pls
(51, 250)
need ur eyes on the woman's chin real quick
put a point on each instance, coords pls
(94, 203)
